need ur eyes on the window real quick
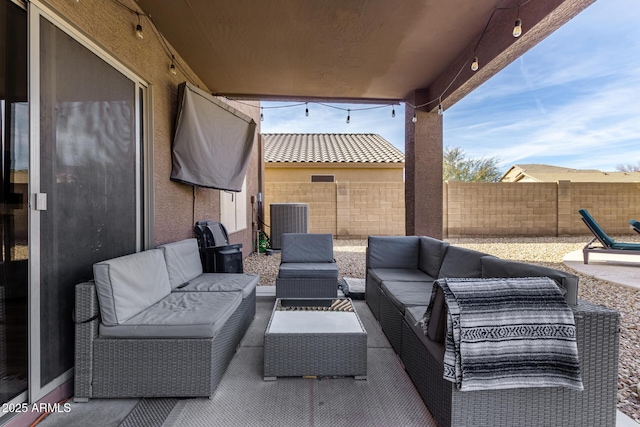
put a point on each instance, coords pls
(323, 178)
(233, 209)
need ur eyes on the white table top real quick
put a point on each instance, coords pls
(295, 322)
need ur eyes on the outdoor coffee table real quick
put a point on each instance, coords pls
(315, 337)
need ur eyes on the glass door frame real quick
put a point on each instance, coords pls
(24, 395)
(144, 182)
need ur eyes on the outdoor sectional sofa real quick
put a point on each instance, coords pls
(400, 274)
(152, 324)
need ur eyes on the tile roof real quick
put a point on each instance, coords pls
(549, 173)
(329, 148)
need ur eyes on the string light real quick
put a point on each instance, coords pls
(139, 28)
(475, 65)
(306, 109)
(517, 31)
(517, 28)
(172, 67)
(393, 111)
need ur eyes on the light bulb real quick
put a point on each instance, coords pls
(393, 111)
(348, 116)
(172, 67)
(261, 115)
(414, 119)
(517, 28)
(306, 110)
(475, 64)
(139, 31)
(440, 110)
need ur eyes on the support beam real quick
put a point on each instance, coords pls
(498, 48)
(423, 173)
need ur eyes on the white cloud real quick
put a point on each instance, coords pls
(570, 101)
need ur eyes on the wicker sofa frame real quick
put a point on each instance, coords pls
(597, 338)
(150, 367)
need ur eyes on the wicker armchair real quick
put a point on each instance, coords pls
(307, 269)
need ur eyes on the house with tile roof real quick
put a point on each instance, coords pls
(296, 157)
(549, 173)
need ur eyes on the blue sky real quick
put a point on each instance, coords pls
(572, 100)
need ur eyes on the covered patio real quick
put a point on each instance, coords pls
(425, 54)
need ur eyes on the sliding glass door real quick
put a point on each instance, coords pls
(14, 197)
(87, 150)
(89, 172)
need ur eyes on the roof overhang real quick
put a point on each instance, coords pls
(357, 50)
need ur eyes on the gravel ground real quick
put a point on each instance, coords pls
(546, 251)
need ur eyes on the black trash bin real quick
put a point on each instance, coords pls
(216, 254)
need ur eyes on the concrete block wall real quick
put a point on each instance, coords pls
(537, 209)
(345, 209)
(611, 204)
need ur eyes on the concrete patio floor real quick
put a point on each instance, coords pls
(114, 412)
(621, 269)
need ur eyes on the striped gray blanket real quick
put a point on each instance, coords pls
(508, 333)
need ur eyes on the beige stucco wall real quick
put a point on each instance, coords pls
(285, 173)
(176, 206)
(344, 209)
(537, 209)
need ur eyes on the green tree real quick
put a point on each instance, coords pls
(457, 167)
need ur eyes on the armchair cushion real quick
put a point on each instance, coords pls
(183, 261)
(180, 315)
(309, 269)
(130, 284)
(307, 248)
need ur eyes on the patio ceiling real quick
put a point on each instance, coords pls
(359, 50)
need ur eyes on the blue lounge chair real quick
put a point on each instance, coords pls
(609, 245)
(635, 225)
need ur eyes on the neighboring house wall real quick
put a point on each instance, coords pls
(176, 206)
(275, 172)
(344, 209)
(537, 209)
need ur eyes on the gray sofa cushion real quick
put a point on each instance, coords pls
(408, 294)
(412, 315)
(218, 282)
(183, 261)
(302, 247)
(180, 315)
(309, 269)
(496, 267)
(393, 252)
(431, 254)
(438, 320)
(399, 275)
(461, 262)
(130, 284)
